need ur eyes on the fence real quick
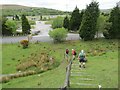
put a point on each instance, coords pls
(67, 79)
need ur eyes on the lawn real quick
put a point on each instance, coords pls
(102, 63)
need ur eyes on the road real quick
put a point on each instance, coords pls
(42, 36)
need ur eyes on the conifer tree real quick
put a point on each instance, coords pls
(75, 20)
(66, 23)
(6, 31)
(88, 26)
(114, 31)
(25, 25)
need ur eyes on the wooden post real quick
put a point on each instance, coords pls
(67, 80)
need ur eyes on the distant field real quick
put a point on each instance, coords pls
(13, 9)
(102, 63)
(13, 6)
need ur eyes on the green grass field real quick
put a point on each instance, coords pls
(102, 63)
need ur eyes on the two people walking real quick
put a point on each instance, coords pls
(67, 54)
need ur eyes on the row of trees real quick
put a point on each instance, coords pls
(88, 22)
(85, 21)
(9, 26)
(74, 22)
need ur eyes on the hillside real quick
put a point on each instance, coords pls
(12, 9)
(13, 6)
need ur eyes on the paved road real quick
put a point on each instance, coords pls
(42, 36)
(42, 27)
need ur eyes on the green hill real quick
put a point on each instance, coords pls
(12, 9)
(13, 6)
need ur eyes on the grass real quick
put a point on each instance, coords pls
(104, 71)
(49, 22)
(102, 63)
(50, 79)
(13, 54)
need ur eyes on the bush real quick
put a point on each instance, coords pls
(58, 34)
(5, 79)
(57, 22)
(31, 22)
(24, 43)
(12, 25)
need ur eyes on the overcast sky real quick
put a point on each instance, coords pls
(64, 5)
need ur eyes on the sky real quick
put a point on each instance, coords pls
(64, 5)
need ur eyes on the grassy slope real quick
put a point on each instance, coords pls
(104, 71)
(104, 67)
(13, 6)
(50, 79)
(11, 9)
(12, 53)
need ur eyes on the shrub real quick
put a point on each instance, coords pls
(24, 43)
(58, 34)
(12, 25)
(31, 22)
(57, 22)
(16, 75)
(5, 79)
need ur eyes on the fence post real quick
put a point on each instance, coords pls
(67, 80)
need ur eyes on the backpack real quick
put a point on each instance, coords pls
(67, 51)
(75, 53)
(82, 55)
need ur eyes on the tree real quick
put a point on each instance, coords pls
(66, 23)
(41, 17)
(17, 17)
(57, 22)
(88, 26)
(101, 22)
(25, 25)
(75, 20)
(5, 29)
(114, 28)
(11, 25)
(58, 34)
(107, 27)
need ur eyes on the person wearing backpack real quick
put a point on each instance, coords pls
(73, 54)
(82, 58)
(67, 54)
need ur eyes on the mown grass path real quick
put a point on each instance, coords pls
(80, 78)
